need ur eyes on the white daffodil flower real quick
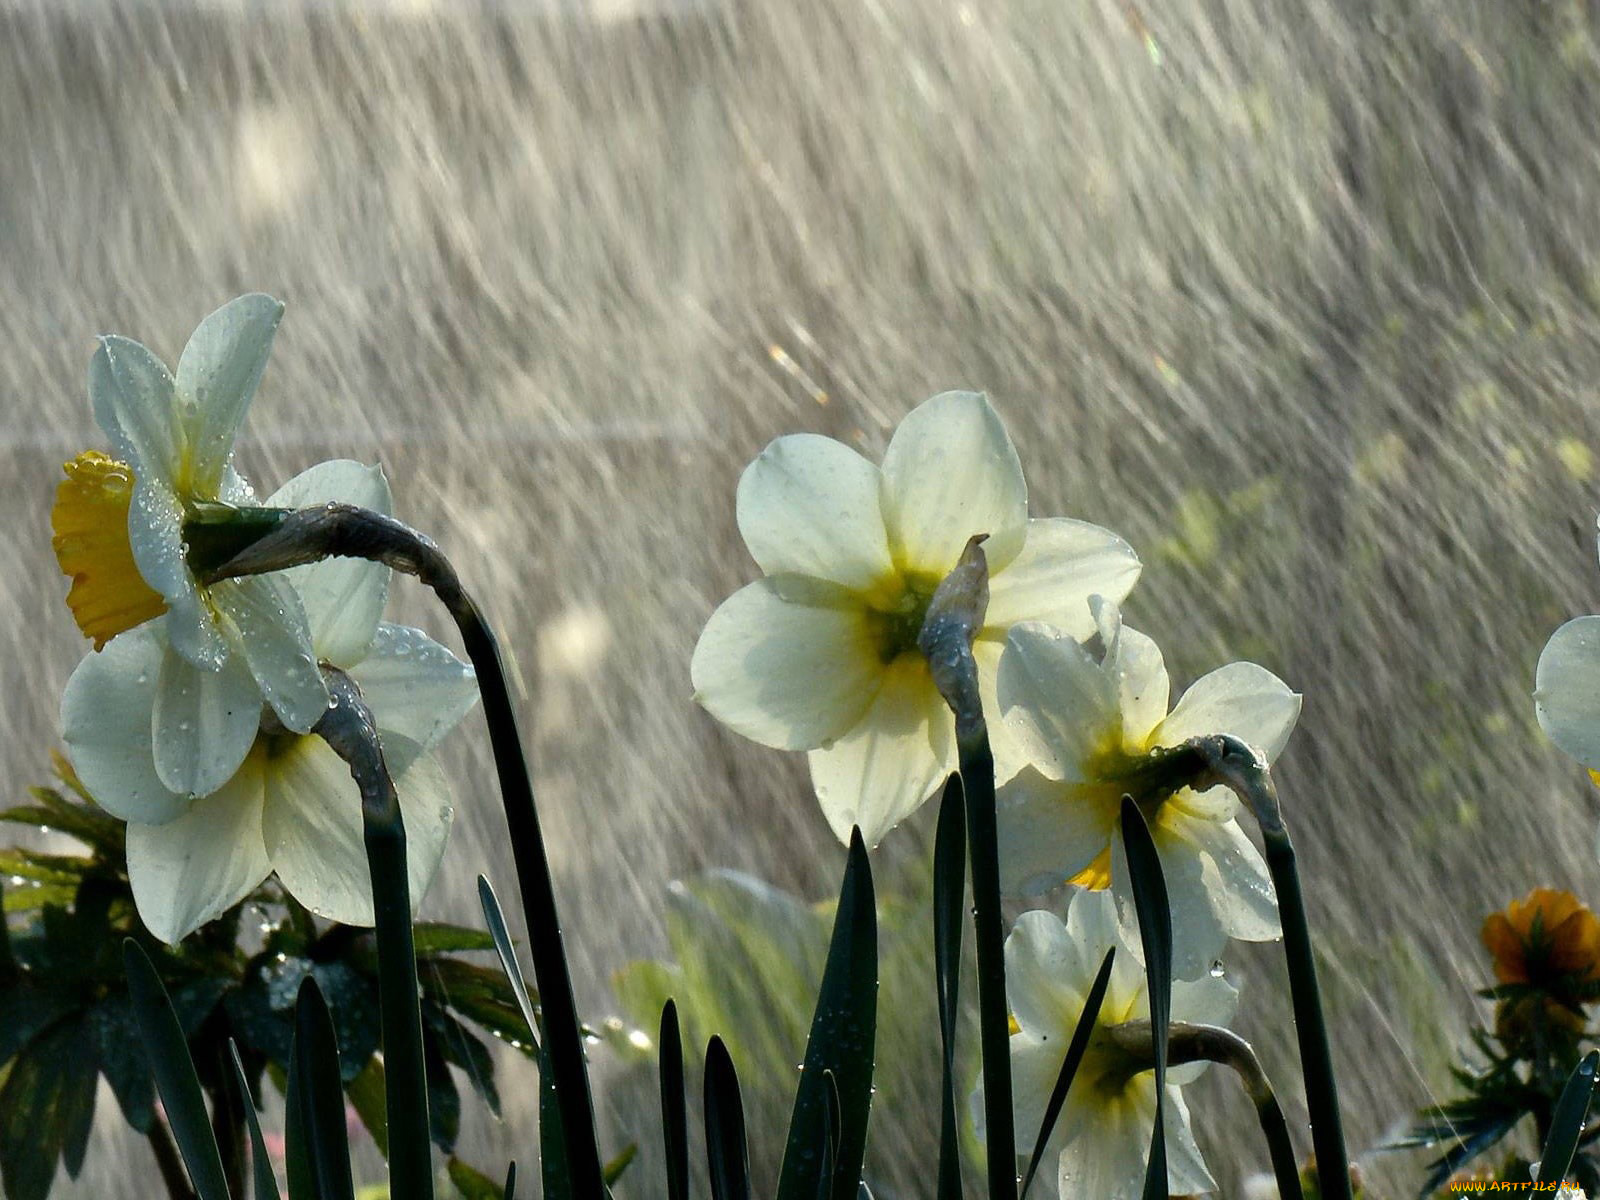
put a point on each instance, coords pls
(821, 655)
(1101, 1139)
(120, 535)
(290, 806)
(1090, 726)
(1567, 690)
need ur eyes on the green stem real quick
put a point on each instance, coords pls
(168, 1162)
(1234, 765)
(994, 1013)
(349, 729)
(343, 530)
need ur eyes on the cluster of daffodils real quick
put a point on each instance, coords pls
(193, 717)
(822, 655)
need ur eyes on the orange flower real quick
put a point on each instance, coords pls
(1547, 939)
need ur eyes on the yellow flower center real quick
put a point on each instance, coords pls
(90, 522)
(896, 612)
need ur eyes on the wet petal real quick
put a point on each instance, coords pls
(106, 722)
(1567, 689)
(899, 753)
(132, 397)
(1106, 1160)
(1047, 976)
(1241, 699)
(1198, 937)
(1136, 669)
(155, 534)
(787, 662)
(1035, 1065)
(1062, 563)
(313, 829)
(1049, 831)
(1187, 1174)
(415, 687)
(1240, 887)
(1055, 700)
(343, 597)
(951, 472)
(273, 640)
(197, 866)
(217, 378)
(808, 505)
(204, 722)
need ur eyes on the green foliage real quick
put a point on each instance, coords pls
(67, 1018)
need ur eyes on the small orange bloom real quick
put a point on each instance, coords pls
(1547, 939)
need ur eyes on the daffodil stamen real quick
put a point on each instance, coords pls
(90, 523)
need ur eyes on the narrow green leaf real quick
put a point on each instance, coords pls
(316, 1061)
(260, 1165)
(511, 1181)
(843, 1037)
(726, 1151)
(176, 1081)
(619, 1163)
(433, 937)
(299, 1173)
(674, 1111)
(367, 1095)
(444, 1098)
(501, 938)
(828, 1151)
(473, 1184)
(949, 892)
(554, 1170)
(1155, 932)
(994, 1009)
(1069, 1065)
(1566, 1121)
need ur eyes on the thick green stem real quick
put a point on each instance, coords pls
(342, 530)
(349, 729)
(1234, 765)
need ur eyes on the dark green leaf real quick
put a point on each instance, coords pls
(367, 1096)
(480, 994)
(1155, 932)
(463, 1050)
(46, 1110)
(1069, 1065)
(500, 938)
(122, 1060)
(194, 1002)
(841, 1045)
(433, 938)
(316, 1075)
(555, 1173)
(1566, 1121)
(511, 1181)
(266, 1184)
(175, 1076)
(444, 1100)
(674, 1114)
(353, 1004)
(726, 1150)
(949, 891)
(472, 1183)
(614, 1169)
(25, 1009)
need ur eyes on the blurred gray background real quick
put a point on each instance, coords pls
(1301, 299)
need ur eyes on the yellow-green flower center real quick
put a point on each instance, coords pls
(897, 620)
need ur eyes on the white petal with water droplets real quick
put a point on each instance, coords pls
(1241, 699)
(196, 867)
(1056, 700)
(271, 636)
(132, 396)
(155, 534)
(1062, 563)
(217, 378)
(951, 472)
(343, 597)
(105, 721)
(203, 722)
(415, 687)
(1567, 689)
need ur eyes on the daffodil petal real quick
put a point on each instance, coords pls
(217, 378)
(1241, 699)
(197, 866)
(1047, 976)
(1238, 882)
(343, 597)
(132, 397)
(274, 641)
(1035, 1065)
(1187, 1173)
(1136, 669)
(415, 687)
(155, 534)
(313, 829)
(1055, 699)
(809, 505)
(1107, 1159)
(203, 722)
(1062, 563)
(1567, 689)
(951, 472)
(1049, 831)
(788, 662)
(1198, 937)
(105, 719)
(880, 772)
